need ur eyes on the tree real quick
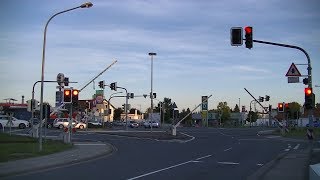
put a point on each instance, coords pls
(188, 120)
(236, 108)
(253, 115)
(117, 113)
(224, 111)
(293, 110)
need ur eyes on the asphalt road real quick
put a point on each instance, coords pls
(212, 154)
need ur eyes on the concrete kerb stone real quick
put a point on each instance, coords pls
(64, 158)
(264, 170)
(267, 167)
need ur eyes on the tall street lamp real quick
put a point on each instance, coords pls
(151, 94)
(85, 5)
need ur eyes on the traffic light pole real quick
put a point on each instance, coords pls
(126, 107)
(310, 111)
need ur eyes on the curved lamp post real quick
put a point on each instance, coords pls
(85, 5)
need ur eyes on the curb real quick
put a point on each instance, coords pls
(68, 162)
(260, 173)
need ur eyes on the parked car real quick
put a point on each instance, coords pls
(117, 123)
(154, 124)
(16, 123)
(315, 124)
(36, 121)
(133, 124)
(64, 122)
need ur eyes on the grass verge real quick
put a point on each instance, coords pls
(300, 133)
(16, 147)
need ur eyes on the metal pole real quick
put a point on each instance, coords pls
(86, 5)
(310, 111)
(151, 94)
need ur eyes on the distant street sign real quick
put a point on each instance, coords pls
(293, 71)
(293, 80)
(204, 106)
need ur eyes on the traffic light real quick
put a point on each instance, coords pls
(67, 95)
(113, 86)
(305, 81)
(131, 95)
(267, 98)
(101, 84)
(236, 36)
(309, 96)
(75, 98)
(249, 39)
(66, 81)
(261, 99)
(154, 95)
(280, 107)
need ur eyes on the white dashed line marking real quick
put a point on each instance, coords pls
(296, 147)
(259, 164)
(228, 163)
(227, 149)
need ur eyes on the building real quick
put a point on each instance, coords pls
(136, 117)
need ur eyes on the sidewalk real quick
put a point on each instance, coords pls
(292, 165)
(82, 151)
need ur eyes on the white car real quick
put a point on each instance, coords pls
(64, 122)
(154, 124)
(16, 123)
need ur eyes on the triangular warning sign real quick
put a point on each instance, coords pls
(293, 71)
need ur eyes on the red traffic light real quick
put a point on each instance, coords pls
(75, 92)
(308, 91)
(248, 29)
(280, 105)
(67, 92)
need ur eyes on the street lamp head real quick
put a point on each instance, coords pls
(152, 54)
(86, 5)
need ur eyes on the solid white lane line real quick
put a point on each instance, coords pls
(228, 163)
(89, 144)
(296, 147)
(203, 157)
(227, 149)
(153, 172)
(170, 167)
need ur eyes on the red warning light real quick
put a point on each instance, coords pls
(308, 91)
(248, 29)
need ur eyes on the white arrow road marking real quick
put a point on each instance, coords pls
(228, 163)
(170, 167)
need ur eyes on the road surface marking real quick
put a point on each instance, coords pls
(170, 167)
(289, 145)
(296, 147)
(287, 150)
(227, 149)
(229, 163)
(89, 144)
(254, 139)
(259, 164)
(204, 157)
(192, 137)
